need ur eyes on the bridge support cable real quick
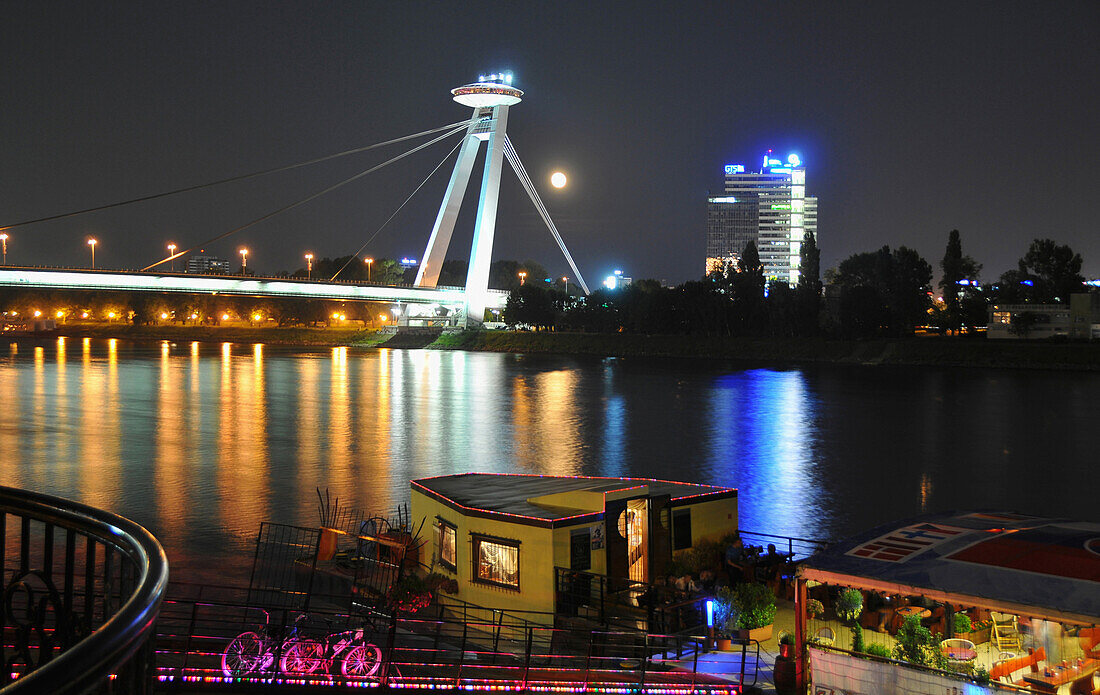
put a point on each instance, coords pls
(309, 198)
(399, 208)
(521, 173)
(241, 177)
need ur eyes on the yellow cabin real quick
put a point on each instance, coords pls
(501, 536)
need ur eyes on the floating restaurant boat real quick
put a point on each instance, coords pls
(1028, 586)
(507, 539)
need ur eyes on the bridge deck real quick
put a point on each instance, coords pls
(136, 281)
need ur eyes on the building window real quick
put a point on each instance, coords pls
(496, 561)
(681, 529)
(446, 546)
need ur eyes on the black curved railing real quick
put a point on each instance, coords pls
(82, 591)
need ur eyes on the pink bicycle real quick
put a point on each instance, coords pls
(356, 657)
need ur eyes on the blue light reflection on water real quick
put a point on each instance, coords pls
(762, 441)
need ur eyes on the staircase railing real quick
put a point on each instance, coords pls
(82, 592)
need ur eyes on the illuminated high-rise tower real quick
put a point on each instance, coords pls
(769, 208)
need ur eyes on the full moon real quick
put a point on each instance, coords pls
(558, 180)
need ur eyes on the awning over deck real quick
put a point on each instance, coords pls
(1047, 568)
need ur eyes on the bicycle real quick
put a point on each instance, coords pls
(357, 657)
(254, 651)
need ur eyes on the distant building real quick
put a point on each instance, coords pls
(769, 208)
(1084, 314)
(210, 265)
(1030, 321)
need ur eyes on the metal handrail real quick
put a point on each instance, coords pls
(94, 659)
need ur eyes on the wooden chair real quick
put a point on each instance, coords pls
(1006, 633)
(1003, 670)
(1082, 686)
(1089, 639)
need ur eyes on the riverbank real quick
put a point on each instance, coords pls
(271, 335)
(923, 351)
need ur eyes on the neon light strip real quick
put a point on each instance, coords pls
(205, 284)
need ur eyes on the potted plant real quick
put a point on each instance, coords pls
(725, 618)
(786, 665)
(814, 608)
(755, 604)
(848, 605)
(979, 631)
(962, 626)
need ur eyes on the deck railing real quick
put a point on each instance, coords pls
(82, 591)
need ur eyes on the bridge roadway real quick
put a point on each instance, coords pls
(136, 281)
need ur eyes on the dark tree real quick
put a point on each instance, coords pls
(1055, 270)
(530, 305)
(892, 289)
(956, 267)
(453, 273)
(748, 289)
(808, 295)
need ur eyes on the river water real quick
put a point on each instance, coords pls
(202, 442)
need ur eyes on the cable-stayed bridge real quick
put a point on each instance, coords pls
(490, 99)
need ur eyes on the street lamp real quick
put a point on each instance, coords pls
(171, 255)
(368, 261)
(309, 266)
(4, 243)
(244, 261)
(92, 242)
(522, 276)
(566, 281)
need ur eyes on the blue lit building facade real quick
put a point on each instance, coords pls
(770, 208)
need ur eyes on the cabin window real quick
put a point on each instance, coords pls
(496, 561)
(681, 529)
(446, 546)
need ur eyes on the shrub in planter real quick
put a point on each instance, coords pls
(849, 604)
(877, 649)
(917, 645)
(409, 594)
(755, 605)
(962, 625)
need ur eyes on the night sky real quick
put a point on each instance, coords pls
(913, 119)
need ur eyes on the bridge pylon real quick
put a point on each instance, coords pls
(490, 98)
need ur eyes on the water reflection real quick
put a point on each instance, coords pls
(762, 440)
(203, 442)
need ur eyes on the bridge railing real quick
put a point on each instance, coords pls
(82, 592)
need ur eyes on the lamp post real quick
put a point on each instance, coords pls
(566, 281)
(4, 244)
(522, 276)
(244, 261)
(92, 243)
(171, 255)
(309, 266)
(369, 262)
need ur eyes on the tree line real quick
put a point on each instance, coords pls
(882, 293)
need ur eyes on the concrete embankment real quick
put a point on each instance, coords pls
(918, 351)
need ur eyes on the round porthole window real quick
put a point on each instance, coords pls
(623, 524)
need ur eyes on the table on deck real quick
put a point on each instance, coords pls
(960, 653)
(906, 611)
(1059, 676)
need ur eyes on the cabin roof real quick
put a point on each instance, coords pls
(511, 494)
(999, 560)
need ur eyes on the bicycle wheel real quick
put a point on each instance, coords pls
(302, 657)
(362, 661)
(243, 655)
